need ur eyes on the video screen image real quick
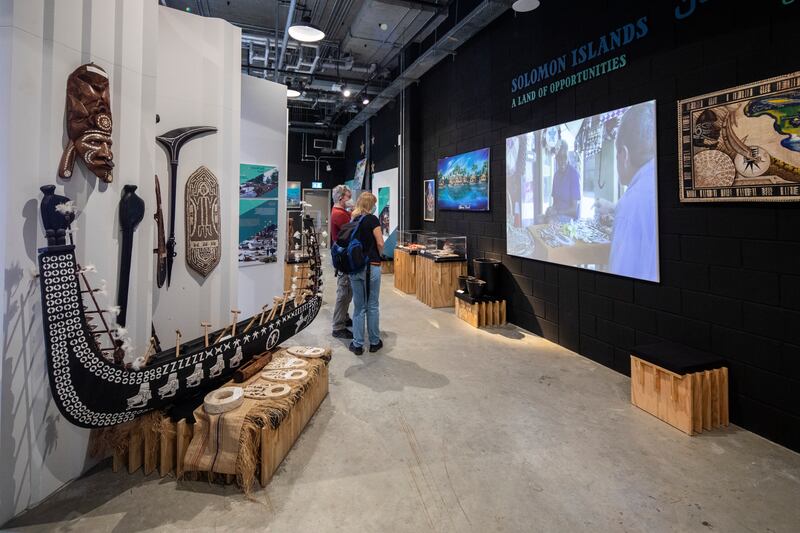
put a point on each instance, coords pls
(463, 181)
(584, 193)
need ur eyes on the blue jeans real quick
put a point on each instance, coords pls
(366, 306)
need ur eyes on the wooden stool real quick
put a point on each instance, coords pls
(686, 388)
(480, 313)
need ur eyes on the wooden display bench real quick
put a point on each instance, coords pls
(480, 313)
(151, 447)
(405, 271)
(690, 394)
(437, 281)
(303, 270)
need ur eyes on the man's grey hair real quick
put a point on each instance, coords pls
(339, 191)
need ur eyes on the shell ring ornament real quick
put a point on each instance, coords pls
(266, 391)
(103, 122)
(306, 351)
(284, 375)
(286, 363)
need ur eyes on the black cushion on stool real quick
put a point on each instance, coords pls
(677, 358)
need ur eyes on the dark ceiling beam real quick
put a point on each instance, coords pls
(320, 77)
(421, 5)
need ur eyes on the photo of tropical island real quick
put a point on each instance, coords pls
(463, 181)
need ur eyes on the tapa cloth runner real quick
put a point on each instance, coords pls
(227, 443)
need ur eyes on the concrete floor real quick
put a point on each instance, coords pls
(453, 429)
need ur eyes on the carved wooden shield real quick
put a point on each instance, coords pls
(202, 213)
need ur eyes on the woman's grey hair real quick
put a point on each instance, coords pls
(339, 191)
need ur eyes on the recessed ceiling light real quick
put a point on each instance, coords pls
(383, 26)
(365, 101)
(523, 6)
(305, 31)
(346, 93)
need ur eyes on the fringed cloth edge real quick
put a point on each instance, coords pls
(116, 439)
(265, 413)
(262, 413)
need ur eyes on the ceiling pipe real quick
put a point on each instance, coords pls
(317, 77)
(289, 18)
(477, 19)
(349, 66)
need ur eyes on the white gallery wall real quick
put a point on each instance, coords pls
(41, 43)
(199, 84)
(160, 61)
(264, 130)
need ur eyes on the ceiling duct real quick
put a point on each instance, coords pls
(466, 28)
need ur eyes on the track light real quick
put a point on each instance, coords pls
(328, 167)
(291, 91)
(365, 101)
(523, 6)
(305, 31)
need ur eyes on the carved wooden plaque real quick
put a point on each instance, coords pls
(203, 249)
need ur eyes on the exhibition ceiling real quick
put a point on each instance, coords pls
(357, 58)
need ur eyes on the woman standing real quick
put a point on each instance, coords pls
(367, 283)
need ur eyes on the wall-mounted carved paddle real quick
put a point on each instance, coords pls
(173, 141)
(131, 212)
(161, 251)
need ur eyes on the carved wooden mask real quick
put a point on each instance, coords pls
(88, 123)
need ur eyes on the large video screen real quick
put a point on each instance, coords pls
(463, 181)
(584, 193)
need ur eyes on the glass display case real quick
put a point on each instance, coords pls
(443, 246)
(295, 237)
(410, 240)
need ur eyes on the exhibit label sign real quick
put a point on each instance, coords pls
(741, 144)
(548, 77)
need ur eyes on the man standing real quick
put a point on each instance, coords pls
(634, 244)
(344, 293)
(566, 186)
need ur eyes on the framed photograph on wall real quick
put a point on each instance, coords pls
(383, 210)
(463, 181)
(741, 144)
(429, 200)
(293, 189)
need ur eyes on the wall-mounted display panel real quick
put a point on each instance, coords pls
(293, 189)
(584, 193)
(463, 181)
(741, 144)
(258, 213)
(429, 200)
(358, 178)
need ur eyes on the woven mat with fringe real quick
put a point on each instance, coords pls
(229, 443)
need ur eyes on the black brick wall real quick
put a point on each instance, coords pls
(384, 127)
(730, 274)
